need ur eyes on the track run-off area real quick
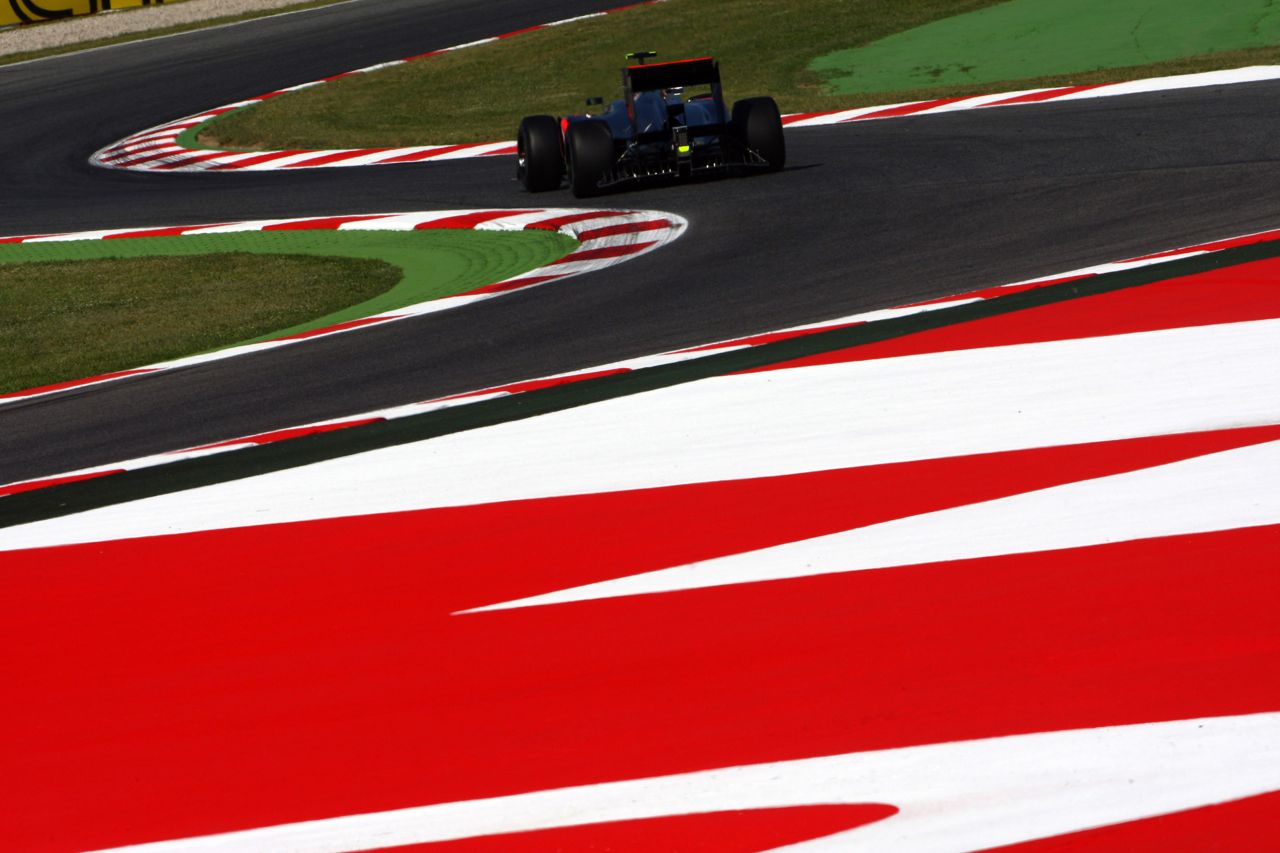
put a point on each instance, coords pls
(924, 496)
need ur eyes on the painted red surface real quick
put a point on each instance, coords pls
(716, 832)
(1234, 294)
(224, 680)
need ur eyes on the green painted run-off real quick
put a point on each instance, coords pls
(436, 262)
(1024, 39)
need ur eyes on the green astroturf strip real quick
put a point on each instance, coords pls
(70, 498)
(436, 262)
(1035, 38)
(188, 138)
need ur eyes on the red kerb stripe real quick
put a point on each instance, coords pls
(605, 252)
(558, 222)
(75, 383)
(465, 220)
(415, 156)
(327, 223)
(513, 284)
(792, 119)
(158, 154)
(525, 30)
(624, 228)
(907, 109)
(175, 231)
(120, 153)
(337, 327)
(25, 239)
(261, 158)
(1046, 95)
(192, 160)
(336, 157)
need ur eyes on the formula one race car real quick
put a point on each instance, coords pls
(653, 131)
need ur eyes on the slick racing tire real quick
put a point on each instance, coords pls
(539, 162)
(590, 145)
(758, 125)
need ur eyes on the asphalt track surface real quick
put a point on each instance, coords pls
(865, 216)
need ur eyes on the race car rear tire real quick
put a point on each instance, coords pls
(590, 145)
(758, 125)
(539, 161)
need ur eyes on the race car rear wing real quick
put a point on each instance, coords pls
(670, 75)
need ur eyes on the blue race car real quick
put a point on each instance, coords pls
(653, 131)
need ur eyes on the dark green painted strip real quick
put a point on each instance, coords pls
(72, 498)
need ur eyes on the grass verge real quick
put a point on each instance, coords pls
(69, 319)
(85, 307)
(765, 47)
(27, 56)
